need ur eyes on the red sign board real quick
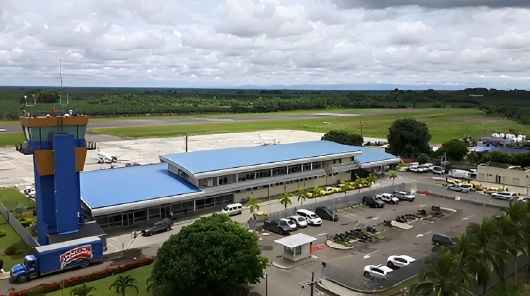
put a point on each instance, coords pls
(83, 252)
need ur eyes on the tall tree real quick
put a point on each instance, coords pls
(484, 237)
(343, 137)
(393, 176)
(212, 256)
(441, 276)
(122, 283)
(301, 195)
(409, 138)
(253, 204)
(286, 199)
(454, 149)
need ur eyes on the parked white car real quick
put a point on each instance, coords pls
(398, 261)
(312, 218)
(300, 221)
(404, 195)
(290, 222)
(377, 271)
(388, 198)
(505, 195)
(523, 199)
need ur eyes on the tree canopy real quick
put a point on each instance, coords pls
(454, 149)
(343, 137)
(212, 256)
(409, 138)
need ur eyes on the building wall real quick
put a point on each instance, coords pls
(502, 176)
(264, 192)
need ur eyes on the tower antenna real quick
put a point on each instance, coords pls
(61, 77)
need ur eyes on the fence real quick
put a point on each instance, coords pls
(472, 197)
(19, 229)
(357, 282)
(338, 200)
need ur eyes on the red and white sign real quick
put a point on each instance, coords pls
(83, 252)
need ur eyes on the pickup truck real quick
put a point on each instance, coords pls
(58, 257)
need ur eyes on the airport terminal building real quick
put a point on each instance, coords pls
(194, 181)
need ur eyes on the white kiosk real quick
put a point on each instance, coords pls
(296, 247)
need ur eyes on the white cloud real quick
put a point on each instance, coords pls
(265, 42)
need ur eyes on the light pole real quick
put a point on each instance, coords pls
(361, 128)
(266, 284)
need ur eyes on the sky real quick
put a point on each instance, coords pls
(356, 44)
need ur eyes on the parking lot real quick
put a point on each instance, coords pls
(415, 242)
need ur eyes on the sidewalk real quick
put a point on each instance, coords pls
(128, 240)
(274, 205)
(335, 289)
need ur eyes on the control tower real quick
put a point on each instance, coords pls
(58, 146)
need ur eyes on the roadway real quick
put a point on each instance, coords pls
(414, 242)
(153, 121)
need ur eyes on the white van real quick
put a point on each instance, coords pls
(233, 209)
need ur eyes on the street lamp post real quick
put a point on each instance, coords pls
(266, 284)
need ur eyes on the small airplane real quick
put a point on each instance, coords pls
(104, 157)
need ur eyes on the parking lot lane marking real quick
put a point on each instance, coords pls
(465, 218)
(427, 232)
(322, 234)
(375, 218)
(369, 254)
(419, 235)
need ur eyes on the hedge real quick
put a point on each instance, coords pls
(77, 280)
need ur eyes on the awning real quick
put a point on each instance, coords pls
(296, 240)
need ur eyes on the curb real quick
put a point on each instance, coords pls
(335, 246)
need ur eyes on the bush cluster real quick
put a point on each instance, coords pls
(10, 251)
(78, 280)
(2, 233)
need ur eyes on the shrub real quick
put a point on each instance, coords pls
(2, 233)
(25, 221)
(77, 280)
(10, 251)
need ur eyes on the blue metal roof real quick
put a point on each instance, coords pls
(214, 160)
(372, 155)
(118, 186)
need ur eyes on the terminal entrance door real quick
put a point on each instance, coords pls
(127, 219)
(165, 211)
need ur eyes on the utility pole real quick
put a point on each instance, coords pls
(311, 283)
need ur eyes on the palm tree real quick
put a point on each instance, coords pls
(484, 237)
(82, 290)
(393, 176)
(122, 283)
(316, 192)
(301, 195)
(371, 179)
(286, 198)
(253, 204)
(440, 276)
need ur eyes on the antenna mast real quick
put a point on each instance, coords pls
(61, 77)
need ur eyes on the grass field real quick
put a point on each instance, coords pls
(12, 240)
(444, 124)
(10, 139)
(141, 275)
(12, 198)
